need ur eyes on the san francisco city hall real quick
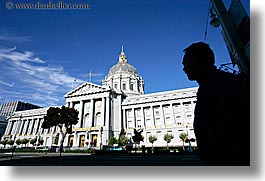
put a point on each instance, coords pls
(105, 109)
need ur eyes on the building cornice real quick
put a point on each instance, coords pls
(161, 96)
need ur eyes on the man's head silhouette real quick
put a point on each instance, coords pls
(198, 61)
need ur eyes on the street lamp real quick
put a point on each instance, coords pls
(215, 22)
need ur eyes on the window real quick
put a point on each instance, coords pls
(124, 86)
(131, 86)
(178, 116)
(129, 113)
(130, 124)
(139, 123)
(115, 86)
(98, 119)
(148, 123)
(147, 111)
(158, 122)
(138, 112)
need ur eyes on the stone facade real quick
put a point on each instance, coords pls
(118, 103)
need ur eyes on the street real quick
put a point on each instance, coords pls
(53, 159)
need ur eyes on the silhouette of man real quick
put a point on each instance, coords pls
(222, 111)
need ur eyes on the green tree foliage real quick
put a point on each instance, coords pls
(152, 139)
(33, 141)
(113, 140)
(18, 142)
(168, 138)
(56, 139)
(64, 118)
(183, 137)
(4, 142)
(25, 141)
(122, 140)
(10, 142)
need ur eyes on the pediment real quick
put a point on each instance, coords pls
(86, 88)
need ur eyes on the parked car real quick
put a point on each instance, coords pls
(115, 148)
(43, 148)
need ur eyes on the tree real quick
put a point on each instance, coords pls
(25, 141)
(152, 139)
(4, 142)
(137, 137)
(183, 137)
(56, 139)
(10, 142)
(113, 140)
(168, 138)
(33, 141)
(64, 118)
(122, 140)
(18, 142)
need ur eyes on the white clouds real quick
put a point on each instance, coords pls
(7, 84)
(12, 54)
(28, 77)
(7, 36)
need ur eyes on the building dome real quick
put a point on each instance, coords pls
(122, 66)
(123, 77)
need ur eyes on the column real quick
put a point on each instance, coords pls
(18, 126)
(76, 140)
(162, 116)
(103, 111)
(124, 119)
(11, 127)
(13, 131)
(184, 121)
(71, 105)
(172, 114)
(21, 127)
(142, 115)
(31, 126)
(80, 115)
(152, 117)
(27, 127)
(107, 119)
(91, 112)
(40, 128)
(8, 128)
(133, 115)
(128, 84)
(37, 127)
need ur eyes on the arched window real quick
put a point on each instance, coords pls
(98, 119)
(86, 120)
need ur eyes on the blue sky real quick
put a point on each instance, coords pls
(43, 51)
